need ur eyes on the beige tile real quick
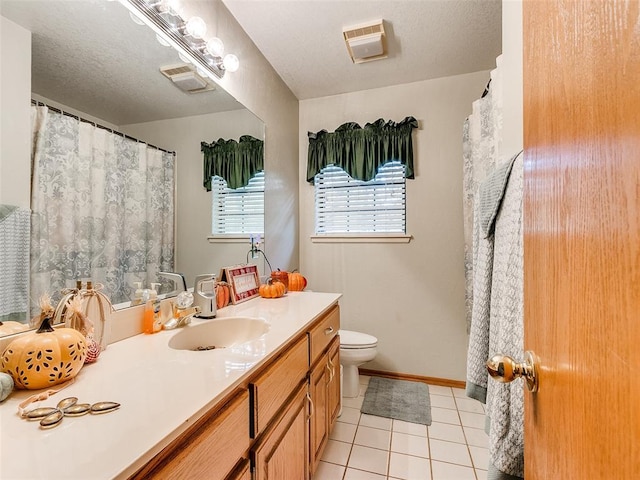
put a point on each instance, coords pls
(410, 428)
(344, 432)
(442, 401)
(440, 390)
(469, 405)
(481, 474)
(373, 437)
(449, 471)
(445, 415)
(354, 474)
(450, 452)
(364, 379)
(375, 422)
(349, 415)
(328, 471)
(446, 431)
(476, 437)
(474, 420)
(336, 452)
(408, 467)
(480, 457)
(369, 459)
(459, 392)
(353, 402)
(410, 445)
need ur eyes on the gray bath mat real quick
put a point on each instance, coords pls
(399, 399)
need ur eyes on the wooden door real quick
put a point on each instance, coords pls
(319, 428)
(334, 396)
(581, 237)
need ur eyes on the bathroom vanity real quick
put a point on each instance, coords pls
(262, 409)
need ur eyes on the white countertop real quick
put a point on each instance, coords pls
(161, 390)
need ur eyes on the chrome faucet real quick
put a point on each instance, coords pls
(182, 313)
(179, 282)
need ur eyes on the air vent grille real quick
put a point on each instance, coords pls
(366, 42)
(186, 78)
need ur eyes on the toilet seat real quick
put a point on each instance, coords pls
(356, 340)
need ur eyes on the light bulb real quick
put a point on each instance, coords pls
(231, 62)
(135, 19)
(196, 27)
(162, 41)
(172, 6)
(215, 47)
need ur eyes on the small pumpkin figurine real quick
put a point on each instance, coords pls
(271, 289)
(46, 357)
(6, 385)
(297, 282)
(223, 294)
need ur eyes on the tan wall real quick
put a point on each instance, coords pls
(512, 77)
(15, 118)
(410, 296)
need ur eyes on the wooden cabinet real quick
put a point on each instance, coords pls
(324, 388)
(210, 449)
(283, 451)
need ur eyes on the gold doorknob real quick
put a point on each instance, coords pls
(505, 369)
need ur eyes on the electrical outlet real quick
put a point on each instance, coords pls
(254, 238)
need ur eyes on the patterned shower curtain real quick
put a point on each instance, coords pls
(102, 208)
(482, 142)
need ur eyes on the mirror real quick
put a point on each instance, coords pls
(90, 59)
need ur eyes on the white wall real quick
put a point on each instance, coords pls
(194, 254)
(410, 296)
(15, 121)
(512, 78)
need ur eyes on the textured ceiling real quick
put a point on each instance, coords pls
(89, 55)
(303, 41)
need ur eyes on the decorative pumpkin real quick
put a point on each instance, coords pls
(6, 385)
(93, 350)
(223, 294)
(297, 282)
(271, 289)
(44, 358)
(9, 327)
(281, 276)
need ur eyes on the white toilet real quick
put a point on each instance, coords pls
(355, 349)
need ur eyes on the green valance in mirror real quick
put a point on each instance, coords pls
(236, 162)
(361, 151)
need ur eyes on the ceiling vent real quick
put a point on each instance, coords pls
(187, 79)
(366, 42)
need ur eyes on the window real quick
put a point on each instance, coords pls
(345, 205)
(238, 211)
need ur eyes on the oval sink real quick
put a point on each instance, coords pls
(219, 333)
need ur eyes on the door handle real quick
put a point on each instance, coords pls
(505, 369)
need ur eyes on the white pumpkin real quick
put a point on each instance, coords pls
(6, 385)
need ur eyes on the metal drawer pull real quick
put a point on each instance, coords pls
(328, 331)
(311, 409)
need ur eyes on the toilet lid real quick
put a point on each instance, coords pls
(349, 339)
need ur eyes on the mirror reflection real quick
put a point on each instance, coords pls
(110, 214)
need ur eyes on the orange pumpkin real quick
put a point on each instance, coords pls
(271, 289)
(297, 282)
(223, 294)
(44, 358)
(281, 276)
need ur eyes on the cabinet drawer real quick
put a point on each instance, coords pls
(273, 386)
(198, 454)
(321, 335)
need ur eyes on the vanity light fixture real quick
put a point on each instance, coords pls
(187, 37)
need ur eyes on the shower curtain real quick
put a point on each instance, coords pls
(102, 208)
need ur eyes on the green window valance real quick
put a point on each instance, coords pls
(361, 151)
(236, 162)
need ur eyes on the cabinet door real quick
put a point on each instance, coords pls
(283, 451)
(334, 397)
(318, 390)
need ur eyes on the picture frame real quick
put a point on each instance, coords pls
(243, 281)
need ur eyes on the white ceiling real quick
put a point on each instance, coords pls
(427, 39)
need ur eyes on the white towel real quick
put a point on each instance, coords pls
(15, 228)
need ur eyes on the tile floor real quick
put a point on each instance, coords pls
(366, 447)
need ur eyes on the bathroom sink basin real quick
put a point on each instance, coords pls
(219, 333)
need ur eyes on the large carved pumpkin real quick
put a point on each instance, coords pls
(44, 358)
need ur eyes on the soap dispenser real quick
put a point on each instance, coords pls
(204, 295)
(137, 296)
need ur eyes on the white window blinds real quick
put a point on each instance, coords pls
(238, 211)
(345, 205)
